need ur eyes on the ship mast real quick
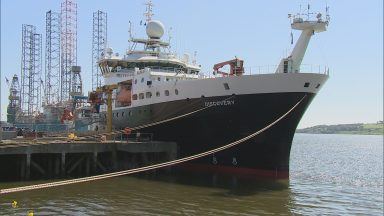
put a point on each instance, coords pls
(149, 12)
(154, 30)
(308, 27)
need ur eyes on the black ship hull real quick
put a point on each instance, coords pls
(226, 119)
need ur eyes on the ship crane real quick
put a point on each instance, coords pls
(236, 67)
(95, 99)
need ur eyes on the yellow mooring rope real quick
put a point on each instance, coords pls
(146, 168)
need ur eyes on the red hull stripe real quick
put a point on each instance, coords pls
(237, 171)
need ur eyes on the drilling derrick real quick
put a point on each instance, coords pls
(99, 44)
(14, 100)
(30, 71)
(52, 58)
(38, 53)
(68, 47)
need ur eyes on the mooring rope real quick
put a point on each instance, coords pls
(150, 167)
(94, 136)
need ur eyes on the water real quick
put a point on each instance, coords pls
(330, 175)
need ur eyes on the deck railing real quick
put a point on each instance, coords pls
(304, 68)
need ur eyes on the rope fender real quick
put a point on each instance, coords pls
(150, 167)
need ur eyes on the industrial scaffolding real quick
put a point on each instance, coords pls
(52, 58)
(69, 80)
(99, 44)
(14, 100)
(31, 63)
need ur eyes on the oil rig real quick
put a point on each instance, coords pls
(47, 94)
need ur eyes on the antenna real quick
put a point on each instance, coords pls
(130, 30)
(327, 16)
(149, 13)
(300, 11)
(169, 35)
(290, 17)
(194, 58)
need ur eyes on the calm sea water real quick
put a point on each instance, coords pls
(330, 175)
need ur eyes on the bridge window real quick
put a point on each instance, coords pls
(226, 86)
(141, 96)
(134, 97)
(306, 85)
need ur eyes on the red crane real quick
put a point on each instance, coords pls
(236, 67)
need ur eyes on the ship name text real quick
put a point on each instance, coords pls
(220, 103)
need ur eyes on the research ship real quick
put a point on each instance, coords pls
(207, 112)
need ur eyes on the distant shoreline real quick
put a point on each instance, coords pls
(358, 128)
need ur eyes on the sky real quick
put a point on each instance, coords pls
(256, 31)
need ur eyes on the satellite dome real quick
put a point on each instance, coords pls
(155, 29)
(109, 50)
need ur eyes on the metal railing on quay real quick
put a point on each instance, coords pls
(136, 137)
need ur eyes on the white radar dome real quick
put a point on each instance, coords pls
(155, 29)
(109, 50)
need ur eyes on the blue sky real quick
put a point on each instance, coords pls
(256, 31)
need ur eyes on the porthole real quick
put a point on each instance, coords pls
(158, 79)
(166, 92)
(148, 94)
(142, 79)
(167, 79)
(117, 115)
(122, 114)
(135, 81)
(176, 92)
(157, 94)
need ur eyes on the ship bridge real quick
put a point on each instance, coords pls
(155, 64)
